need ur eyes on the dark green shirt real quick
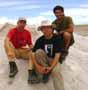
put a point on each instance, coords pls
(63, 25)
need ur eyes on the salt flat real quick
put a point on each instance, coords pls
(74, 69)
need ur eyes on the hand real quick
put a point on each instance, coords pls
(61, 32)
(48, 69)
(26, 48)
(41, 69)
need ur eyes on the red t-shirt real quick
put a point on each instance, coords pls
(18, 38)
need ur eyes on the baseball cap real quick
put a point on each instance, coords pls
(22, 19)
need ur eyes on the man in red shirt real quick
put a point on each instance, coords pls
(18, 44)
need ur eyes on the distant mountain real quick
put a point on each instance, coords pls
(81, 29)
(6, 27)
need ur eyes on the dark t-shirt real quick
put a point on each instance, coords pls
(50, 46)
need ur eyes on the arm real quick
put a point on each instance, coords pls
(30, 40)
(70, 28)
(38, 67)
(55, 60)
(53, 64)
(28, 45)
(58, 46)
(70, 25)
(8, 45)
(7, 41)
(8, 38)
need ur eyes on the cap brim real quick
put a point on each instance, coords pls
(22, 21)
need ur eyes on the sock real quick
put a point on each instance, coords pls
(12, 60)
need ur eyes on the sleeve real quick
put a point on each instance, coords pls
(70, 21)
(10, 34)
(29, 39)
(53, 25)
(59, 45)
(36, 46)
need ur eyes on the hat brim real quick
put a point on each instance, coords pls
(40, 27)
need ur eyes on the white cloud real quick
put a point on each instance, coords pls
(30, 21)
(35, 20)
(25, 7)
(79, 15)
(77, 11)
(84, 6)
(11, 3)
(4, 20)
(20, 5)
(48, 13)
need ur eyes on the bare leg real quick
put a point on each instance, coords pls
(67, 39)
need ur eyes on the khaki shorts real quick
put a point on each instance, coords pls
(17, 53)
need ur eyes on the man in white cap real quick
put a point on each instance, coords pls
(18, 44)
(46, 55)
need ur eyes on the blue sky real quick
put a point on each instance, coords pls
(37, 10)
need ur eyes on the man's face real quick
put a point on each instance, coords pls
(47, 31)
(59, 14)
(21, 24)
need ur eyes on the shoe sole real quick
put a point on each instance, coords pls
(14, 74)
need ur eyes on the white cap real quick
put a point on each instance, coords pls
(45, 23)
(22, 19)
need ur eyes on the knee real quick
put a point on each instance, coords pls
(39, 51)
(67, 35)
